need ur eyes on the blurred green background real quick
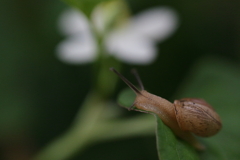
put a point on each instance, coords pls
(39, 95)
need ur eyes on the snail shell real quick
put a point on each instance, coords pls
(197, 116)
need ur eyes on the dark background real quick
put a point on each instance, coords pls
(39, 95)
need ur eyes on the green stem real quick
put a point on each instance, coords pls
(65, 146)
(138, 126)
(91, 126)
(79, 135)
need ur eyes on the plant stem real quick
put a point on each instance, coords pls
(79, 135)
(91, 126)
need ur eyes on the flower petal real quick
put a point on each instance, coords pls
(135, 42)
(77, 49)
(73, 22)
(131, 48)
(157, 23)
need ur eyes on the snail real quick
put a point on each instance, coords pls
(184, 117)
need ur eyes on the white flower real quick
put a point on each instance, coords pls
(133, 42)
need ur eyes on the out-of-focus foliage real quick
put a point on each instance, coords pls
(39, 95)
(126, 98)
(84, 5)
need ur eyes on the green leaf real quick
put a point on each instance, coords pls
(84, 5)
(171, 148)
(218, 82)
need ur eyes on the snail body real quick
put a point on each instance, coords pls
(184, 117)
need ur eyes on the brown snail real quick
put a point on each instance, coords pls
(184, 117)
